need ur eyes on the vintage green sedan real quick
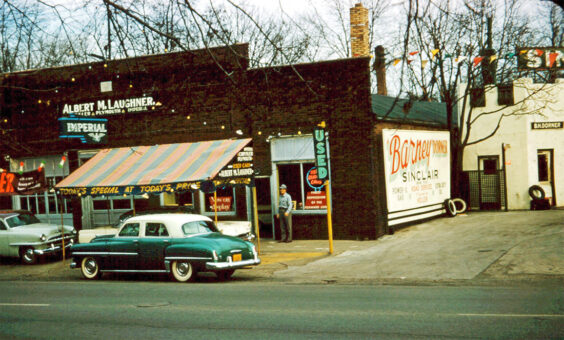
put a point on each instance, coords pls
(179, 244)
(23, 235)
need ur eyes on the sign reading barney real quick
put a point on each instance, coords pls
(417, 171)
(25, 183)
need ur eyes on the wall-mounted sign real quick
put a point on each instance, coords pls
(540, 58)
(320, 151)
(546, 125)
(89, 130)
(105, 107)
(316, 200)
(26, 183)
(417, 172)
(312, 180)
(240, 166)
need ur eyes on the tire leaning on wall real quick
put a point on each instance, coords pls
(537, 192)
(450, 207)
(460, 205)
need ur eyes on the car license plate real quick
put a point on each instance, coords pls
(237, 257)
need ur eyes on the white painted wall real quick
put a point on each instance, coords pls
(533, 103)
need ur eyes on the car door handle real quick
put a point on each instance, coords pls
(135, 241)
(166, 241)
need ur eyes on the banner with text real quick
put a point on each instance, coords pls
(25, 183)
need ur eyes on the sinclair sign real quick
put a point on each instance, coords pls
(540, 58)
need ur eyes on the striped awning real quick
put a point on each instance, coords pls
(161, 168)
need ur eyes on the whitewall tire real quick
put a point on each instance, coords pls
(182, 271)
(90, 268)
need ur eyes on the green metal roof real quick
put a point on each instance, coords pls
(420, 112)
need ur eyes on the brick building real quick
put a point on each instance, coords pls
(206, 95)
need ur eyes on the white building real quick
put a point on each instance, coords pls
(529, 139)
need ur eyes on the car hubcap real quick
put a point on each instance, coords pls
(90, 266)
(182, 268)
(28, 255)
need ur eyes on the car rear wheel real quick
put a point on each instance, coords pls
(225, 275)
(28, 255)
(183, 271)
(90, 268)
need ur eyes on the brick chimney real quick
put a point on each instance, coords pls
(380, 68)
(359, 31)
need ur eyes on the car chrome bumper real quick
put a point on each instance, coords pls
(53, 249)
(73, 265)
(231, 264)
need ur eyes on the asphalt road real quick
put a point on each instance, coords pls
(225, 310)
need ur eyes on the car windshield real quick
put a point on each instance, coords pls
(198, 227)
(21, 219)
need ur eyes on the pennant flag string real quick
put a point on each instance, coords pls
(477, 61)
(62, 162)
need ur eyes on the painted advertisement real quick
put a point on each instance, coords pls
(417, 170)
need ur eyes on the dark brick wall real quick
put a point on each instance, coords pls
(270, 101)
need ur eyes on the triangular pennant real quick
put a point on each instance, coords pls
(424, 63)
(448, 55)
(434, 52)
(409, 61)
(539, 52)
(552, 58)
(509, 55)
(522, 52)
(478, 60)
(396, 61)
(493, 57)
(413, 53)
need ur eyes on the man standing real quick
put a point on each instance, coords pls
(285, 214)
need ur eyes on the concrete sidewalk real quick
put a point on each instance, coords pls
(474, 247)
(480, 245)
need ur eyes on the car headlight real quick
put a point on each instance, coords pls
(43, 238)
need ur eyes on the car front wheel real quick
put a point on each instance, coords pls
(183, 271)
(28, 255)
(90, 268)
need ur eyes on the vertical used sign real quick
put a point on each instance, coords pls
(320, 149)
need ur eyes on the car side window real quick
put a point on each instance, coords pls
(130, 229)
(197, 227)
(3, 226)
(155, 229)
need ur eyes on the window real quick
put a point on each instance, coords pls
(156, 230)
(3, 226)
(198, 227)
(112, 203)
(477, 97)
(47, 202)
(544, 167)
(490, 166)
(225, 200)
(306, 190)
(130, 229)
(505, 94)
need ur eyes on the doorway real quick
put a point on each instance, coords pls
(264, 206)
(489, 182)
(545, 163)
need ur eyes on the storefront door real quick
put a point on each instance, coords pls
(490, 183)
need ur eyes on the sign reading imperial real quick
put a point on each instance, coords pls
(105, 107)
(89, 130)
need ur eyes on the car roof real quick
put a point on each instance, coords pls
(168, 218)
(7, 213)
